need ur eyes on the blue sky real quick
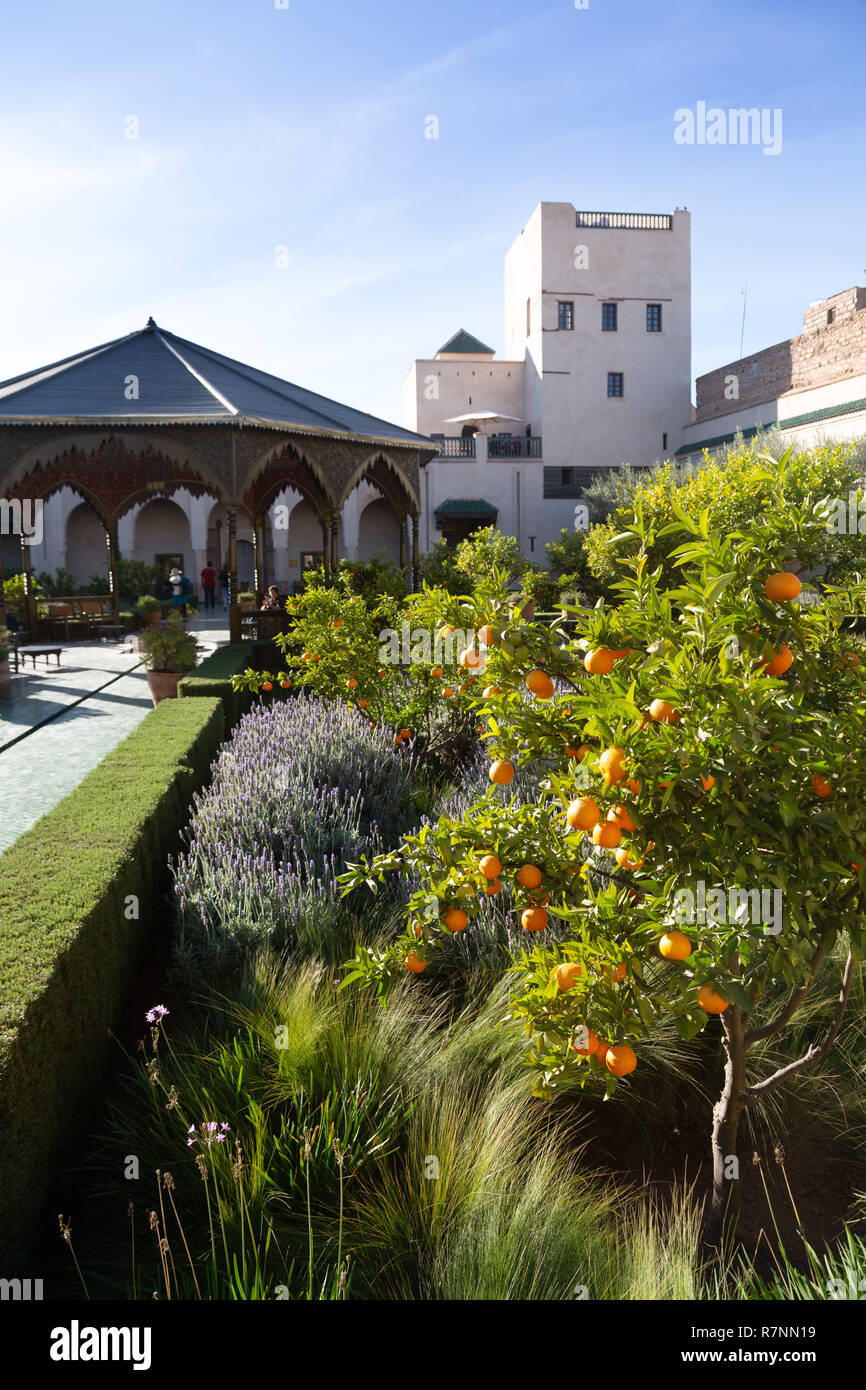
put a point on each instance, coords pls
(304, 127)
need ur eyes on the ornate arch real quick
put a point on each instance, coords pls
(385, 474)
(287, 465)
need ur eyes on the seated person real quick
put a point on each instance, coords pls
(12, 623)
(272, 599)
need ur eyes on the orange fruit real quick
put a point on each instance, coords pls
(501, 772)
(456, 919)
(620, 972)
(470, 658)
(414, 963)
(529, 876)
(708, 782)
(489, 691)
(490, 866)
(782, 587)
(821, 786)
(600, 661)
(436, 672)
(590, 1040)
(675, 945)
(633, 785)
(620, 816)
(494, 886)
(405, 733)
(612, 764)
(663, 712)
(362, 704)
(625, 861)
(851, 660)
(540, 684)
(447, 692)
(351, 683)
(607, 835)
(534, 919)
(485, 635)
(567, 975)
(580, 752)
(583, 813)
(619, 654)
(306, 656)
(711, 1001)
(338, 622)
(286, 685)
(267, 685)
(620, 1060)
(381, 671)
(779, 662)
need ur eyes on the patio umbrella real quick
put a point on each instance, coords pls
(483, 418)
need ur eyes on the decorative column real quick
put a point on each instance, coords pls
(259, 575)
(335, 538)
(402, 524)
(234, 611)
(29, 591)
(111, 555)
(415, 556)
(326, 545)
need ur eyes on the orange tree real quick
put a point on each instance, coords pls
(699, 827)
(414, 664)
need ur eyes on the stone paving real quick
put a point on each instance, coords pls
(64, 739)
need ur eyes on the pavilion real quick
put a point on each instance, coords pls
(149, 414)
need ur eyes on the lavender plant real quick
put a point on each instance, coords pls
(300, 788)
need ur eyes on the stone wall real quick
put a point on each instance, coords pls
(831, 348)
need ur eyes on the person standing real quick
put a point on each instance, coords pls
(224, 585)
(179, 588)
(208, 583)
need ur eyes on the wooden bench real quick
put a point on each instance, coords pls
(39, 651)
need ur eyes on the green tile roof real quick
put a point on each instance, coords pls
(465, 342)
(466, 506)
(812, 417)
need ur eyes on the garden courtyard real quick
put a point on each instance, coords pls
(495, 936)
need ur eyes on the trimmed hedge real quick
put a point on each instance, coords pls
(214, 676)
(68, 948)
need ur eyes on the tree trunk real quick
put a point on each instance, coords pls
(725, 1204)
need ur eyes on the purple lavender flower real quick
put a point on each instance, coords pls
(157, 1012)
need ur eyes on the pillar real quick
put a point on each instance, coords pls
(258, 558)
(31, 609)
(326, 546)
(335, 541)
(416, 576)
(234, 611)
(111, 549)
(402, 524)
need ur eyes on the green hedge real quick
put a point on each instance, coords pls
(68, 948)
(214, 676)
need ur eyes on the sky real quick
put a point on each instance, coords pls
(256, 174)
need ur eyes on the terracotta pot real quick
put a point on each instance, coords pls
(163, 684)
(153, 617)
(5, 677)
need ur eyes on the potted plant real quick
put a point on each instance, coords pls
(247, 601)
(168, 651)
(5, 673)
(149, 610)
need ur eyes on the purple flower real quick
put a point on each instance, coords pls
(157, 1012)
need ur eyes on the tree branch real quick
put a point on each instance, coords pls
(815, 1052)
(775, 1025)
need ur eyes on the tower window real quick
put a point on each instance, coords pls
(653, 318)
(614, 383)
(608, 318)
(566, 314)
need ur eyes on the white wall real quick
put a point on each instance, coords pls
(793, 403)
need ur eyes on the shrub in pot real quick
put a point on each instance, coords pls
(149, 610)
(169, 652)
(247, 601)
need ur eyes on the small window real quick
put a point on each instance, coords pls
(528, 315)
(567, 476)
(653, 318)
(753, 370)
(614, 383)
(566, 313)
(664, 441)
(831, 314)
(608, 318)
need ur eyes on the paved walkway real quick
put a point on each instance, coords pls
(57, 725)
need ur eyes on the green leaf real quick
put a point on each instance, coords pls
(788, 808)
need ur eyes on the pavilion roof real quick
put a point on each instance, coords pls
(175, 381)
